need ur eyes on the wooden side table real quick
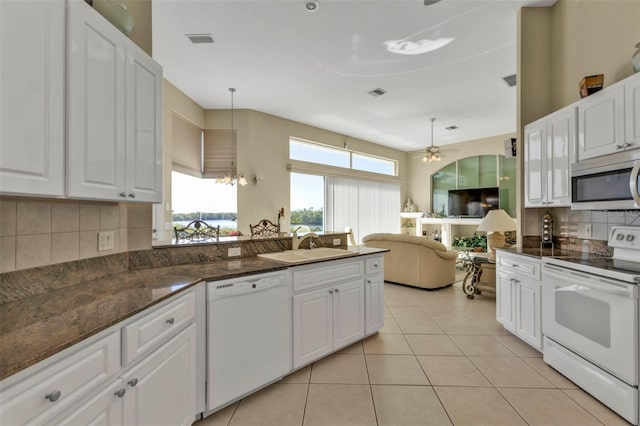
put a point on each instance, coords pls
(481, 276)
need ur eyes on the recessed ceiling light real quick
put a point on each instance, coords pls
(377, 92)
(200, 38)
(510, 80)
(312, 6)
(451, 128)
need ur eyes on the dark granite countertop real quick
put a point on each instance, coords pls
(40, 326)
(539, 253)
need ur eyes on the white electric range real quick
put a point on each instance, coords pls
(590, 321)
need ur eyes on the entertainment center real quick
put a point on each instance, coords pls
(443, 227)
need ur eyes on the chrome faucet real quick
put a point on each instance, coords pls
(295, 240)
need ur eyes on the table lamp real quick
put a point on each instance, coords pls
(495, 223)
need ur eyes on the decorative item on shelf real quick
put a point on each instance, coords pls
(495, 223)
(408, 227)
(591, 84)
(231, 177)
(635, 59)
(116, 13)
(409, 206)
(547, 230)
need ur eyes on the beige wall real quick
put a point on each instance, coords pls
(174, 102)
(591, 37)
(419, 173)
(141, 35)
(263, 149)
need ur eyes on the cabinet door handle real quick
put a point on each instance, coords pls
(368, 281)
(330, 291)
(53, 396)
(123, 195)
(171, 320)
(132, 195)
(628, 144)
(619, 146)
(120, 393)
(515, 265)
(337, 290)
(133, 382)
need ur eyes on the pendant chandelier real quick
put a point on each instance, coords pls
(230, 178)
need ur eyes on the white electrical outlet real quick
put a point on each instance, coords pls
(106, 240)
(584, 231)
(234, 251)
(336, 241)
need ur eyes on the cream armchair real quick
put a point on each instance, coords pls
(415, 261)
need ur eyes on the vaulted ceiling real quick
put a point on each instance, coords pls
(446, 60)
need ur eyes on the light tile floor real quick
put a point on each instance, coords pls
(440, 359)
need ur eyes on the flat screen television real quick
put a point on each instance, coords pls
(474, 202)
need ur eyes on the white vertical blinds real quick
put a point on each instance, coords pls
(366, 206)
(186, 141)
(219, 152)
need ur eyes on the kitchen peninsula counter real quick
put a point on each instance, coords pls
(37, 326)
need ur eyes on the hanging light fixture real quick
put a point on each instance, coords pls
(432, 153)
(231, 177)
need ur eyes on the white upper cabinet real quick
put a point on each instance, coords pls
(32, 87)
(549, 146)
(112, 148)
(535, 135)
(144, 126)
(632, 111)
(601, 123)
(561, 145)
(96, 106)
(114, 112)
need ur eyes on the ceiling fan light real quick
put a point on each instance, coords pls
(425, 158)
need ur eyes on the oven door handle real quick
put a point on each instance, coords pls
(602, 285)
(633, 183)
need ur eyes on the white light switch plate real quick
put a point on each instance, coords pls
(234, 251)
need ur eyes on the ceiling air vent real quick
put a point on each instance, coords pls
(200, 38)
(377, 92)
(510, 80)
(451, 128)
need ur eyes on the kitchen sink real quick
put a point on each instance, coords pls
(302, 256)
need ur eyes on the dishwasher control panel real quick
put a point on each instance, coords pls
(252, 283)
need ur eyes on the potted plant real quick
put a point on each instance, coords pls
(477, 242)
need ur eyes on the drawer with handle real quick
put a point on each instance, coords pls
(373, 266)
(520, 264)
(147, 332)
(56, 387)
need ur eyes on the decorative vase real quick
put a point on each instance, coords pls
(635, 59)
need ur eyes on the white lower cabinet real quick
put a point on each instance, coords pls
(518, 297)
(90, 385)
(105, 408)
(327, 319)
(160, 390)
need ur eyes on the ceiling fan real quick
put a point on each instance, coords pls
(432, 153)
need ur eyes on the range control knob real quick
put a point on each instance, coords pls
(619, 237)
(630, 237)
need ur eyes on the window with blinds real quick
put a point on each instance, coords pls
(186, 140)
(219, 152)
(365, 206)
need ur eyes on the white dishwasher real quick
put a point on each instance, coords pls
(248, 335)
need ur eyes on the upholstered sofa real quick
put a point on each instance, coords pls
(415, 261)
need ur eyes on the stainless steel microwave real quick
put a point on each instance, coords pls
(606, 183)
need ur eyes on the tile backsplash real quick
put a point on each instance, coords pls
(572, 223)
(39, 232)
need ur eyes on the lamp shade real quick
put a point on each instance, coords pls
(497, 221)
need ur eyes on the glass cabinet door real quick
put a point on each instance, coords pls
(441, 182)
